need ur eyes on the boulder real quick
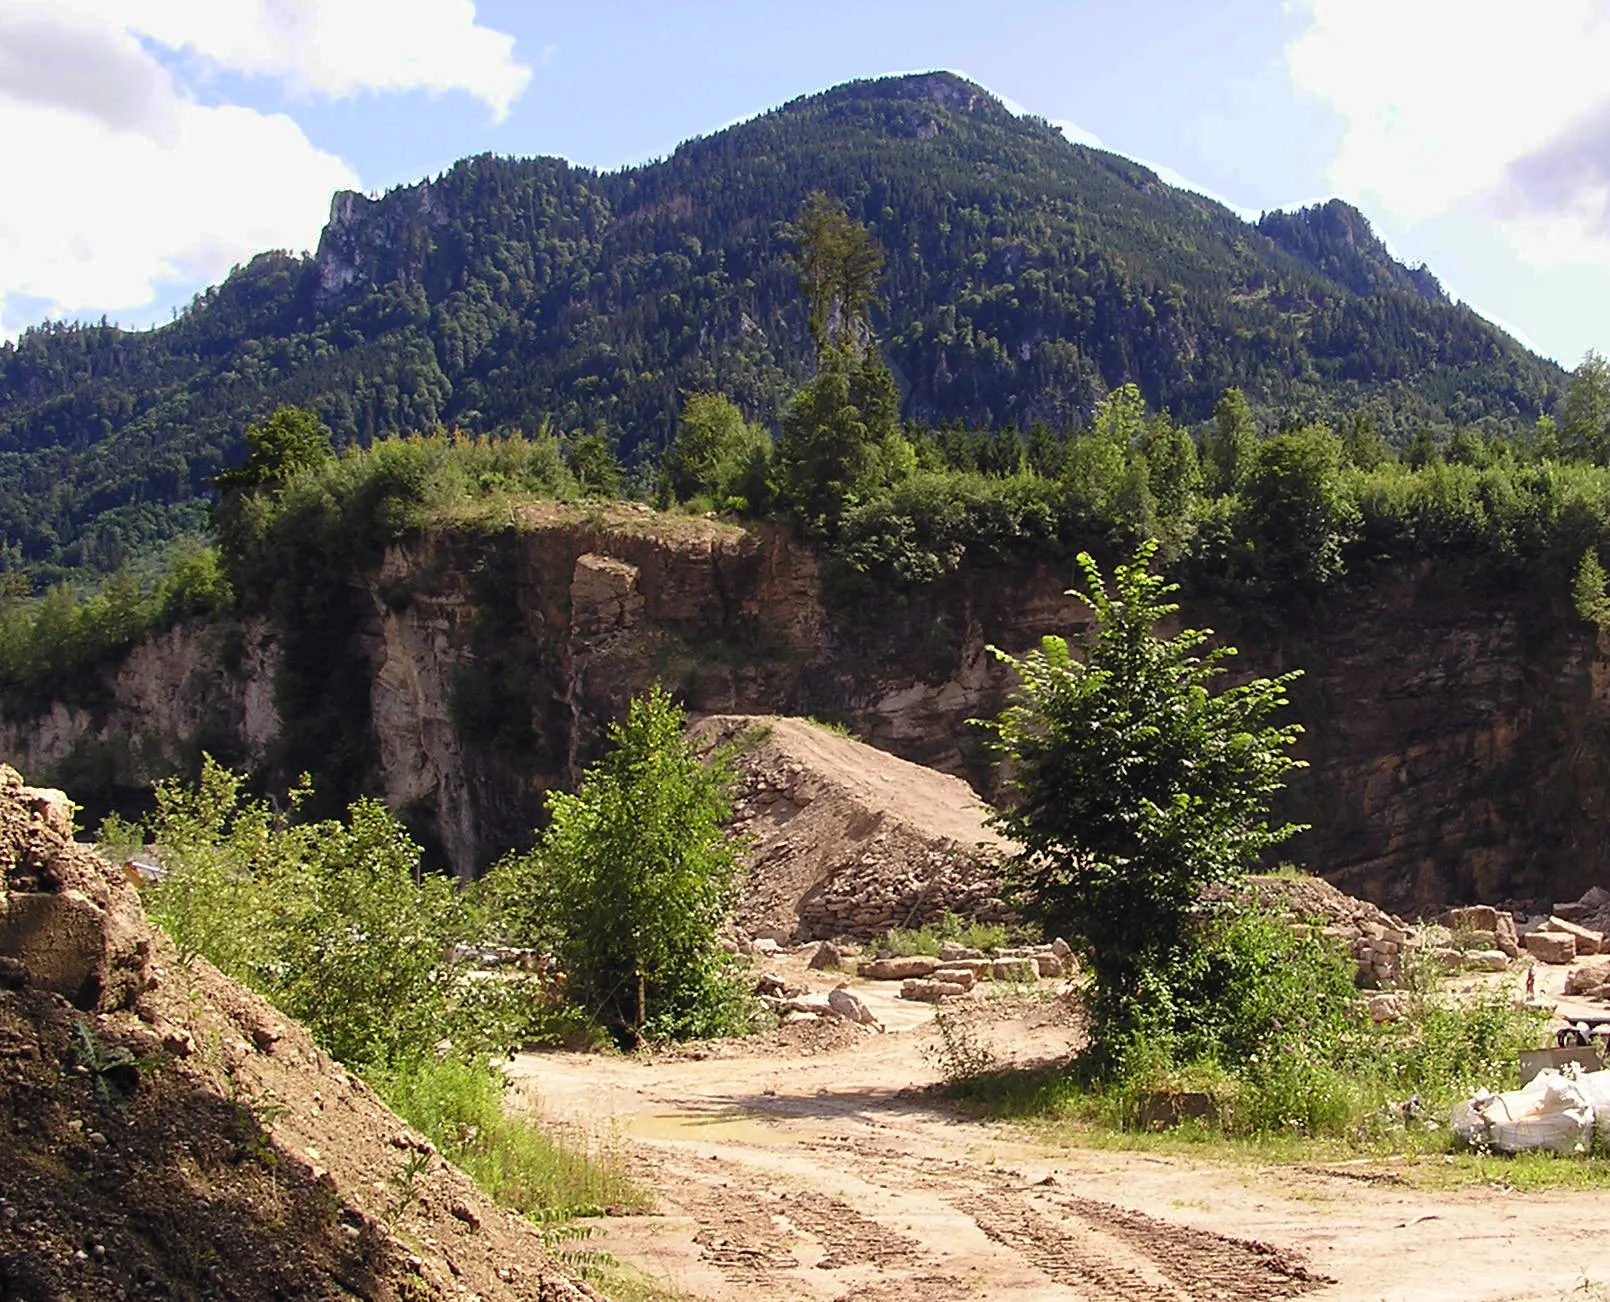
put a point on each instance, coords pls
(1582, 980)
(1487, 960)
(1550, 946)
(899, 969)
(51, 807)
(850, 1007)
(1014, 969)
(1049, 964)
(1478, 917)
(930, 992)
(827, 956)
(1388, 1008)
(1062, 949)
(1587, 942)
(957, 976)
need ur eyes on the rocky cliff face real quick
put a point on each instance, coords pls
(1458, 739)
(195, 687)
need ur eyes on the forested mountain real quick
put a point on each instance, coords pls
(1026, 277)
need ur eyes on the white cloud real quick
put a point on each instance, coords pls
(120, 182)
(1490, 108)
(334, 48)
(100, 231)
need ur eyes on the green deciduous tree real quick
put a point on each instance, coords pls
(1585, 422)
(716, 454)
(287, 442)
(1232, 446)
(1297, 511)
(591, 460)
(1138, 789)
(631, 881)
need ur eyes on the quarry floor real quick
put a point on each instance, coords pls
(809, 1164)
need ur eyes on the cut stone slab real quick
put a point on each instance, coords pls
(1478, 917)
(930, 992)
(957, 976)
(1556, 947)
(899, 969)
(1015, 969)
(1587, 942)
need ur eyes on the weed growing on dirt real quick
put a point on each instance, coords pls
(1332, 1089)
(957, 1052)
(947, 929)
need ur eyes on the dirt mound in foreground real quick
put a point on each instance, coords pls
(169, 1134)
(846, 840)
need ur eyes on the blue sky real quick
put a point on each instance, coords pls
(149, 144)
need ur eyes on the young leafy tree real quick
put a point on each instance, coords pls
(1585, 423)
(591, 460)
(289, 441)
(1138, 788)
(716, 452)
(1232, 444)
(1297, 510)
(1588, 590)
(631, 881)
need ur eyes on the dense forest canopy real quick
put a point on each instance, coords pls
(1025, 279)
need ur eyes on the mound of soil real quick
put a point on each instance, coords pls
(846, 840)
(1309, 898)
(169, 1134)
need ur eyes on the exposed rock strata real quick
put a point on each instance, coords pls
(1458, 732)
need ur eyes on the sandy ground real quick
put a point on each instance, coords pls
(818, 1170)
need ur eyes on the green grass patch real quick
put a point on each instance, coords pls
(1373, 1103)
(948, 929)
(539, 1170)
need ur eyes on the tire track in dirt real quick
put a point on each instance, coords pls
(851, 1239)
(1208, 1267)
(745, 1225)
(1100, 1272)
(1197, 1264)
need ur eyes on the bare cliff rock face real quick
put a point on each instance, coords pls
(195, 687)
(1458, 734)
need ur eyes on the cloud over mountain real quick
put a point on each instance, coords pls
(127, 177)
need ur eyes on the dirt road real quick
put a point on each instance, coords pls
(813, 1168)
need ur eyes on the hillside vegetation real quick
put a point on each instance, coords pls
(1026, 278)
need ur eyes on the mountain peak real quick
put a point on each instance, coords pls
(1338, 240)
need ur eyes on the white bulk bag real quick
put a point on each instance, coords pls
(1551, 1112)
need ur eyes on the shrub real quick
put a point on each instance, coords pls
(332, 921)
(630, 882)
